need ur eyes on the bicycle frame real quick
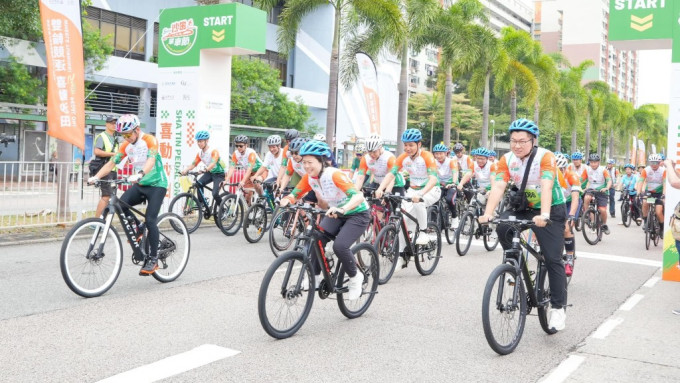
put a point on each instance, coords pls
(400, 216)
(115, 207)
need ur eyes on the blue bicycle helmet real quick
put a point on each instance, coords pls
(524, 125)
(315, 148)
(297, 143)
(411, 135)
(577, 156)
(629, 166)
(473, 152)
(440, 148)
(610, 162)
(202, 135)
(493, 154)
(483, 152)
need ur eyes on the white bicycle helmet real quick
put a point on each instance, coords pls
(127, 123)
(273, 140)
(654, 158)
(374, 142)
(562, 161)
(319, 137)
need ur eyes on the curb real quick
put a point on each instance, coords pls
(30, 241)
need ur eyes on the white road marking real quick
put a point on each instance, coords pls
(562, 372)
(618, 258)
(652, 281)
(173, 365)
(631, 302)
(606, 328)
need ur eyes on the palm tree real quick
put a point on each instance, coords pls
(427, 107)
(384, 14)
(517, 77)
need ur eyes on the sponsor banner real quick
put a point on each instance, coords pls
(369, 80)
(65, 70)
(671, 272)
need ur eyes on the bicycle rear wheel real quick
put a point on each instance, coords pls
(282, 305)
(591, 227)
(282, 233)
(464, 234)
(427, 257)
(504, 309)
(186, 206)
(174, 247)
(231, 214)
(626, 214)
(447, 222)
(387, 245)
(367, 264)
(543, 297)
(255, 223)
(87, 270)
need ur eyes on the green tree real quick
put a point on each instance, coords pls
(18, 85)
(426, 107)
(517, 76)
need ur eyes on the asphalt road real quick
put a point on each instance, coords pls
(417, 329)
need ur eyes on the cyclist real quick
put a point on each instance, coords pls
(214, 165)
(614, 174)
(578, 167)
(289, 135)
(571, 187)
(492, 157)
(272, 160)
(347, 216)
(600, 181)
(465, 164)
(483, 169)
(628, 182)
(545, 202)
(245, 158)
(330, 160)
(294, 170)
(359, 151)
(420, 164)
(447, 170)
(149, 180)
(653, 180)
(379, 162)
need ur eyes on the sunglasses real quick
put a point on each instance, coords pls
(294, 153)
(127, 135)
(240, 146)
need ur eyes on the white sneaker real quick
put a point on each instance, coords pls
(557, 319)
(305, 283)
(423, 239)
(355, 286)
(456, 222)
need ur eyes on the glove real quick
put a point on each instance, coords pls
(92, 180)
(134, 178)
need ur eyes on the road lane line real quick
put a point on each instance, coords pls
(562, 372)
(618, 258)
(606, 328)
(173, 365)
(631, 302)
(652, 281)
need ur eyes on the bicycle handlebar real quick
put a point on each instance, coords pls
(512, 221)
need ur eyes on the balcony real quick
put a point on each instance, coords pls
(115, 103)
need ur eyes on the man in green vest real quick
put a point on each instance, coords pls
(105, 147)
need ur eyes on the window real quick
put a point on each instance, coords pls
(431, 55)
(413, 63)
(276, 61)
(126, 32)
(155, 41)
(272, 16)
(414, 81)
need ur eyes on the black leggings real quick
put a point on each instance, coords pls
(346, 230)
(154, 196)
(450, 199)
(217, 179)
(551, 239)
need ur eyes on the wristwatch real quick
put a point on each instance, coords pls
(141, 172)
(546, 215)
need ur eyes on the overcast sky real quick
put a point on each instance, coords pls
(654, 82)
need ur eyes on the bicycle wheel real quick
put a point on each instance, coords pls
(657, 231)
(433, 215)
(282, 304)
(447, 222)
(231, 214)
(464, 234)
(174, 247)
(491, 238)
(186, 206)
(367, 264)
(255, 223)
(427, 256)
(387, 245)
(590, 226)
(626, 214)
(90, 260)
(543, 296)
(648, 232)
(578, 223)
(282, 233)
(504, 309)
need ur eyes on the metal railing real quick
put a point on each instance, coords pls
(120, 103)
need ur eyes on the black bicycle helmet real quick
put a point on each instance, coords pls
(297, 143)
(594, 157)
(291, 134)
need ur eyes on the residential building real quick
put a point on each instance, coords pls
(579, 30)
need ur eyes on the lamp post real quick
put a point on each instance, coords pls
(493, 135)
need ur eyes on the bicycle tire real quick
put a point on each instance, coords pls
(174, 248)
(387, 246)
(231, 214)
(368, 264)
(426, 257)
(286, 292)
(578, 223)
(255, 223)
(83, 233)
(281, 243)
(447, 222)
(491, 239)
(543, 296)
(496, 302)
(216, 216)
(648, 233)
(590, 226)
(626, 214)
(433, 215)
(464, 234)
(187, 207)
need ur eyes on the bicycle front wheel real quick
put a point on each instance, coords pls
(367, 264)
(626, 214)
(90, 259)
(283, 305)
(490, 237)
(387, 245)
(504, 309)
(174, 247)
(591, 226)
(543, 296)
(282, 232)
(186, 206)
(465, 232)
(230, 214)
(255, 223)
(427, 256)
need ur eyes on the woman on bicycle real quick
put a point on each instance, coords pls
(571, 187)
(447, 171)
(214, 165)
(347, 216)
(599, 180)
(378, 162)
(545, 201)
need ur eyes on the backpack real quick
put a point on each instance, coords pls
(675, 222)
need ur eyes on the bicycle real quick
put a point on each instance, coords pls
(91, 255)
(284, 229)
(630, 210)
(513, 290)
(467, 229)
(387, 242)
(591, 224)
(380, 214)
(440, 214)
(653, 231)
(255, 219)
(232, 209)
(289, 282)
(193, 205)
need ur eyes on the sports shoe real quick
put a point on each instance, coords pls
(568, 269)
(423, 238)
(638, 220)
(400, 263)
(605, 229)
(305, 283)
(355, 283)
(456, 222)
(557, 319)
(150, 266)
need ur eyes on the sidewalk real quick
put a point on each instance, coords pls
(13, 237)
(639, 342)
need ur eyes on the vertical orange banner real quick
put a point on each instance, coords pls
(369, 80)
(62, 32)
